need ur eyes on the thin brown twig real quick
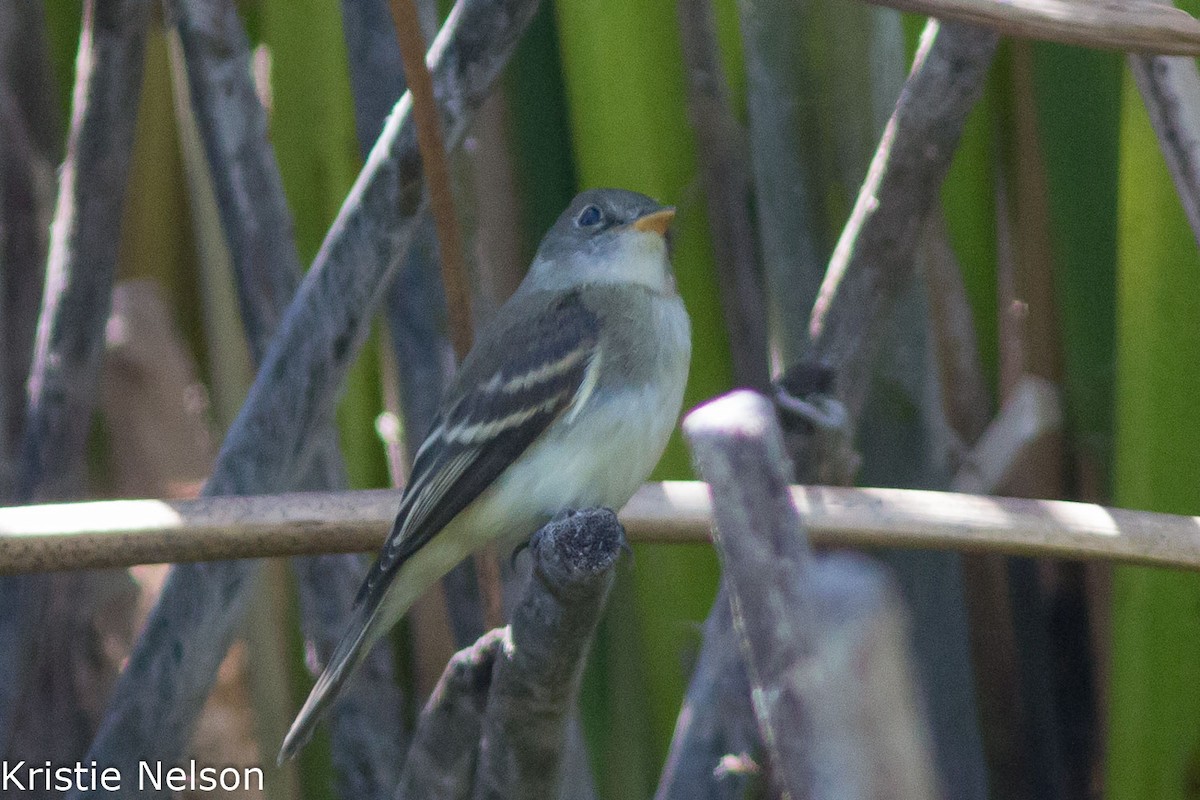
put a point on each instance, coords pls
(437, 174)
(441, 202)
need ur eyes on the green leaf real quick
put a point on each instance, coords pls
(1154, 697)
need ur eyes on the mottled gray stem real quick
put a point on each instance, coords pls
(83, 248)
(716, 730)
(445, 749)
(873, 741)
(232, 124)
(258, 226)
(271, 443)
(824, 641)
(738, 450)
(64, 373)
(537, 672)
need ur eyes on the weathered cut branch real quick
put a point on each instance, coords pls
(874, 258)
(824, 642)
(1033, 410)
(765, 558)
(1137, 25)
(444, 753)
(271, 443)
(537, 672)
(872, 739)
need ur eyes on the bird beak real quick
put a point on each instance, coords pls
(655, 222)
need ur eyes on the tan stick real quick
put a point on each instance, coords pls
(116, 533)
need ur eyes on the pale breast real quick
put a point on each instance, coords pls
(600, 453)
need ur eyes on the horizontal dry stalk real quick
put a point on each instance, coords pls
(1133, 25)
(115, 533)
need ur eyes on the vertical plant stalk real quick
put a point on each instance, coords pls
(726, 175)
(83, 247)
(376, 67)
(437, 175)
(64, 374)
(1032, 585)
(963, 387)
(788, 199)
(272, 442)
(875, 255)
(257, 227)
(30, 149)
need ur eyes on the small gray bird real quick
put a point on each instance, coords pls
(566, 401)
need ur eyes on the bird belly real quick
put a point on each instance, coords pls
(599, 459)
(596, 455)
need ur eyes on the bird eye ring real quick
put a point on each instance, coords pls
(591, 215)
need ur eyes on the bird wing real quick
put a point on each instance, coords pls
(509, 391)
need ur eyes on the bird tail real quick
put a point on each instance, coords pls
(371, 619)
(364, 630)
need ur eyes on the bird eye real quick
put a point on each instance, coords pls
(591, 215)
